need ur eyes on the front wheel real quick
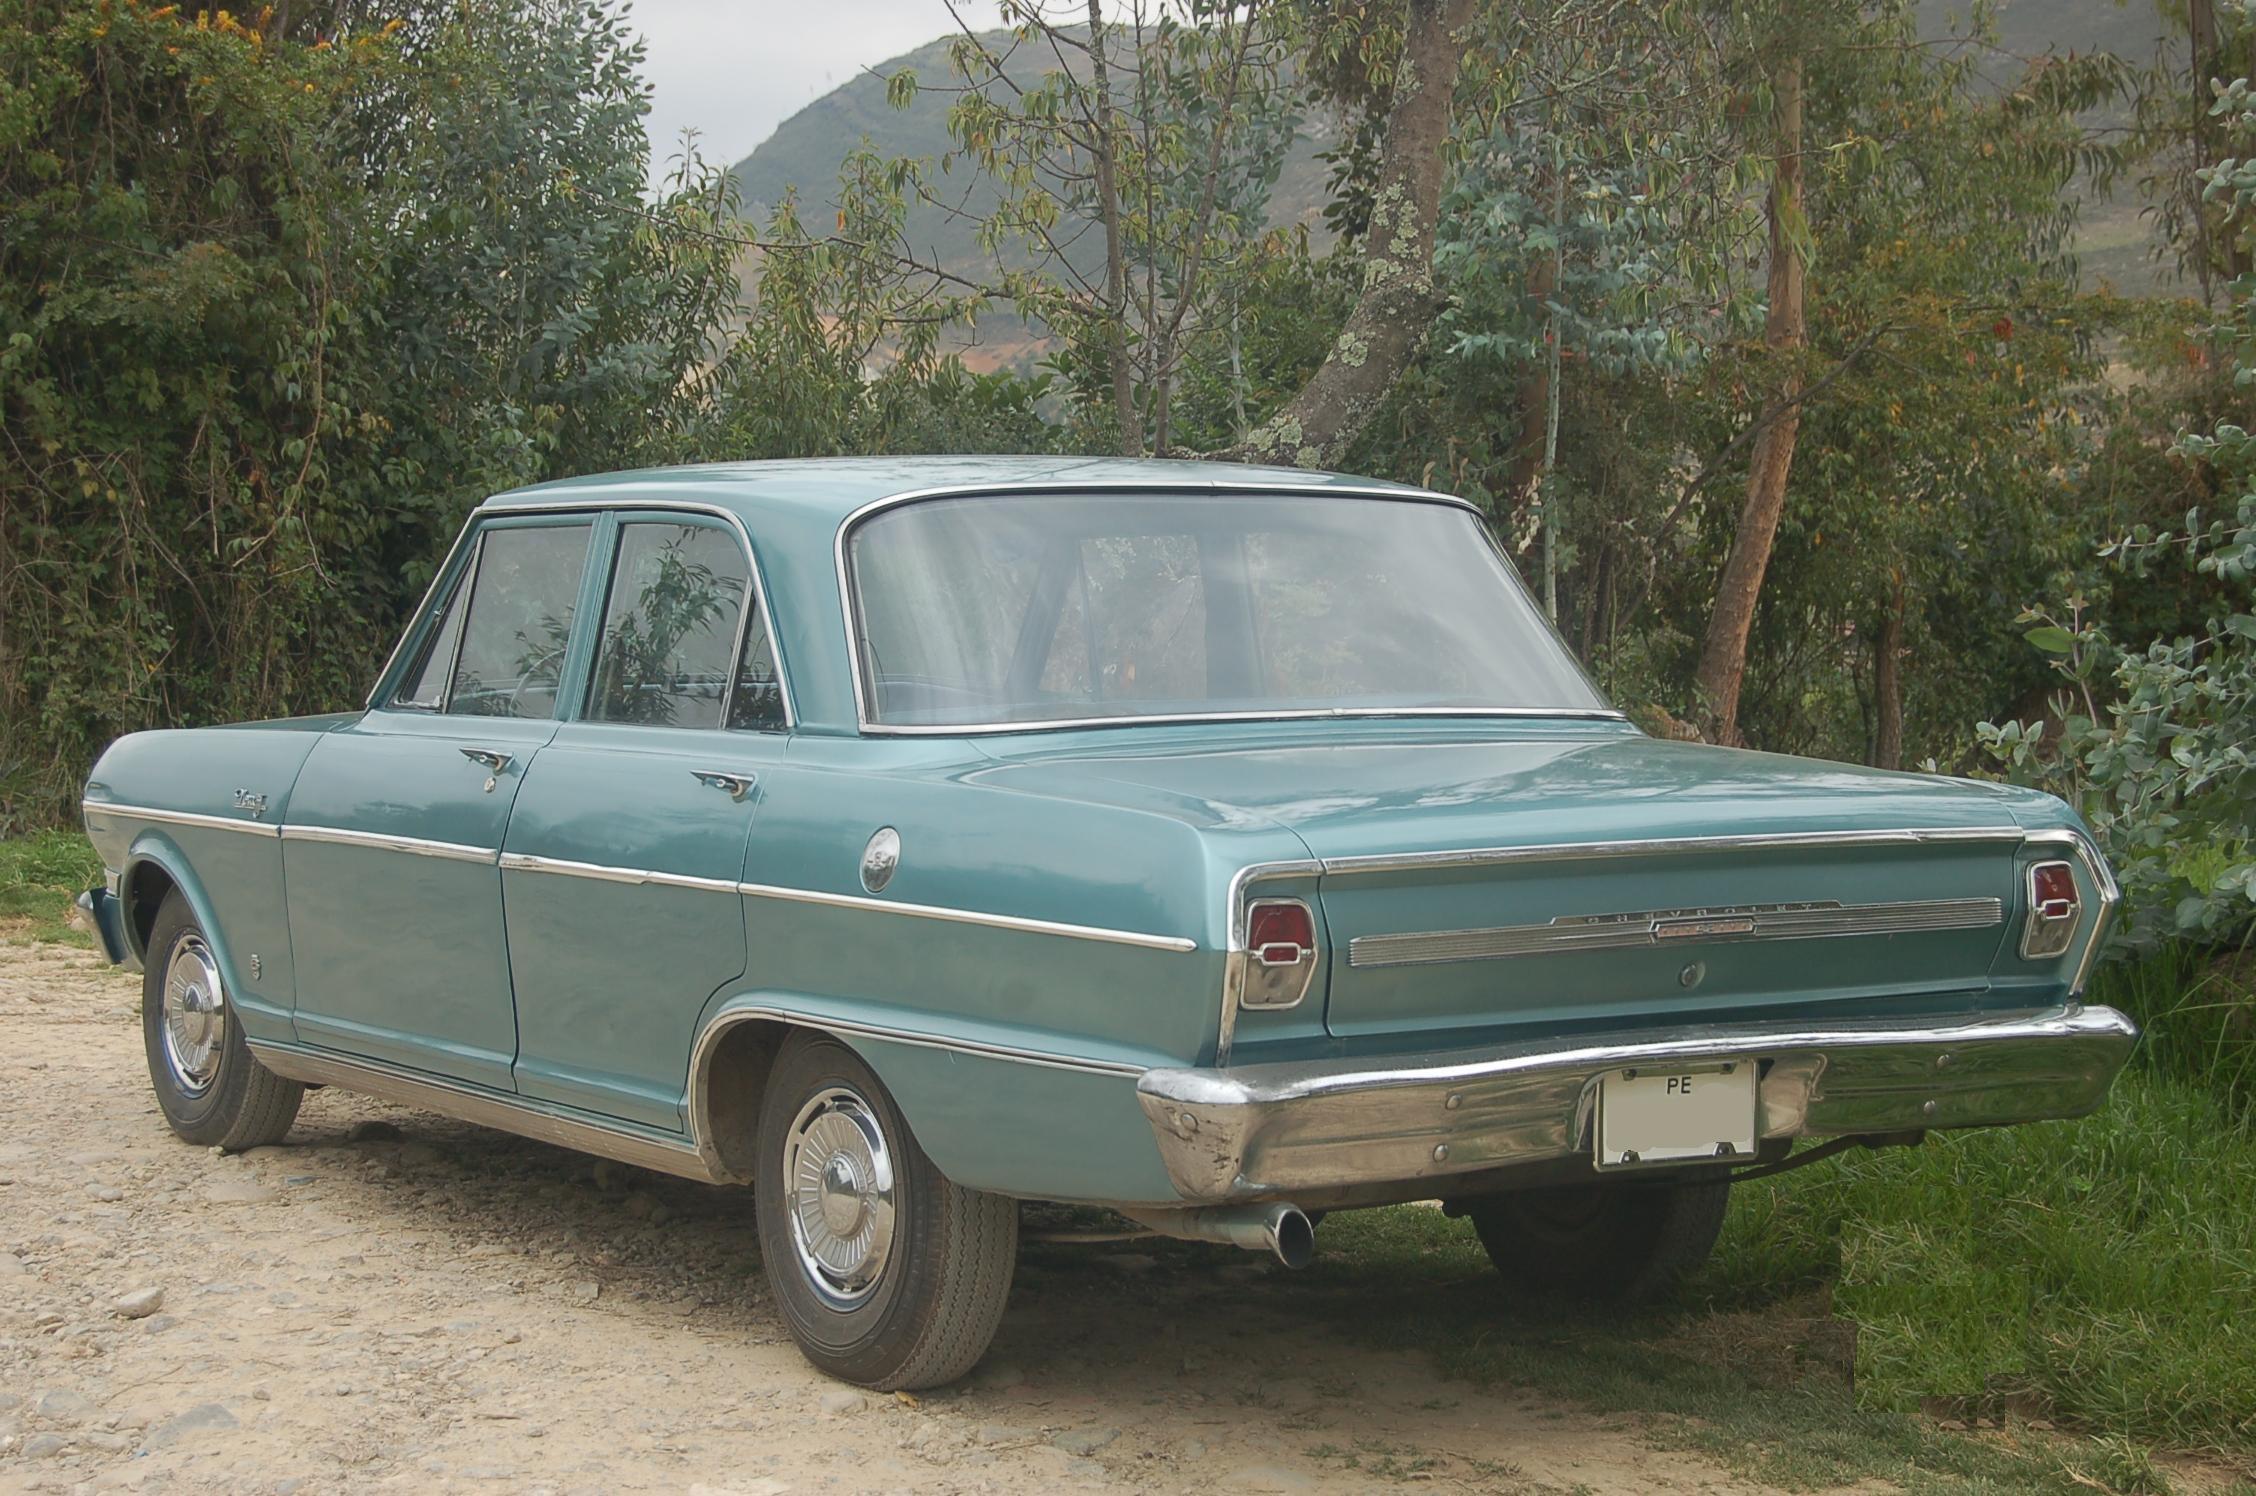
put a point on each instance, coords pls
(888, 1274)
(210, 1086)
(1623, 1241)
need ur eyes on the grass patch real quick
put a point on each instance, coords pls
(2097, 1274)
(2102, 1272)
(41, 877)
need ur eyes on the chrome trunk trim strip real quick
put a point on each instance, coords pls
(521, 862)
(485, 1109)
(177, 817)
(1610, 932)
(383, 841)
(1476, 857)
(1177, 943)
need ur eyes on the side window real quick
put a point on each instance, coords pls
(678, 592)
(424, 685)
(518, 621)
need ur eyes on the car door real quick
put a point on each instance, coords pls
(620, 872)
(393, 840)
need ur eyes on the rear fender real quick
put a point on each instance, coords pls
(1016, 1119)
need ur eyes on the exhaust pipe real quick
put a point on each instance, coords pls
(1283, 1230)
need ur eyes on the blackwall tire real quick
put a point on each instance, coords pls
(211, 1088)
(1624, 1242)
(887, 1274)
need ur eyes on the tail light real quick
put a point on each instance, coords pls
(1280, 954)
(2055, 908)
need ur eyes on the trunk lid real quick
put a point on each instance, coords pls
(1469, 884)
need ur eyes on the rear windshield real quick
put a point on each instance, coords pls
(1010, 610)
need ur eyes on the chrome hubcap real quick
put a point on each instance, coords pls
(840, 1175)
(195, 1015)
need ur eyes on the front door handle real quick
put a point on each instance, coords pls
(493, 758)
(737, 785)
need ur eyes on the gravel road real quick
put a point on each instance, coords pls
(396, 1301)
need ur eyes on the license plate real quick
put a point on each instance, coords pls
(1676, 1116)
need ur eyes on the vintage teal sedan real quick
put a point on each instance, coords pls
(904, 839)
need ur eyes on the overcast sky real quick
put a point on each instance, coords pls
(732, 70)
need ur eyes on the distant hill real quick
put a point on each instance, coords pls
(806, 150)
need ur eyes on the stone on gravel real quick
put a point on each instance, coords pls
(62, 1405)
(372, 1132)
(1085, 1440)
(106, 1193)
(238, 1192)
(139, 1304)
(12, 1266)
(844, 1400)
(40, 1446)
(202, 1418)
(157, 1324)
(1001, 1433)
(585, 1291)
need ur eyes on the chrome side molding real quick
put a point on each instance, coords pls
(176, 817)
(486, 1109)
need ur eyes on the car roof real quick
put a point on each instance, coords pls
(831, 488)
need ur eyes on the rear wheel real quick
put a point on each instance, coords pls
(887, 1274)
(210, 1086)
(1622, 1241)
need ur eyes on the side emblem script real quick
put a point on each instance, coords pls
(880, 858)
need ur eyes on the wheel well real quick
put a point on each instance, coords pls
(732, 1080)
(146, 884)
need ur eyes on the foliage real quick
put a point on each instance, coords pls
(279, 300)
(2155, 739)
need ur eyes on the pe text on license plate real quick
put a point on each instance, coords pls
(1662, 1116)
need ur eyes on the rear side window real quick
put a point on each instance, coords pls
(518, 621)
(677, 599)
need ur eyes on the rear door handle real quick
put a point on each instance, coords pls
(493, 758)
(737, 785)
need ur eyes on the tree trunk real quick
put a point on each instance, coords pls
(1397, 303)
(1887, 683)
(1116, 268)
(1723, 658)
(1533, 402)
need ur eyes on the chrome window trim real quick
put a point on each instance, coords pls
(624, 504)
(384, 841)
(525, 862)
(1083, 488)
(1179, 944)
(177, 817)
(1642, 930)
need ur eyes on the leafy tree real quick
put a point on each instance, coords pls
(280, 298)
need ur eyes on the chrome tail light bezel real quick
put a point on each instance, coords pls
(1277, 975)
(2048, 929)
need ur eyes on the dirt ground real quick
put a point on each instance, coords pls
(396, 1301)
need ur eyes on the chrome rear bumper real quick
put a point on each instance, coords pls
(1264, 1131)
